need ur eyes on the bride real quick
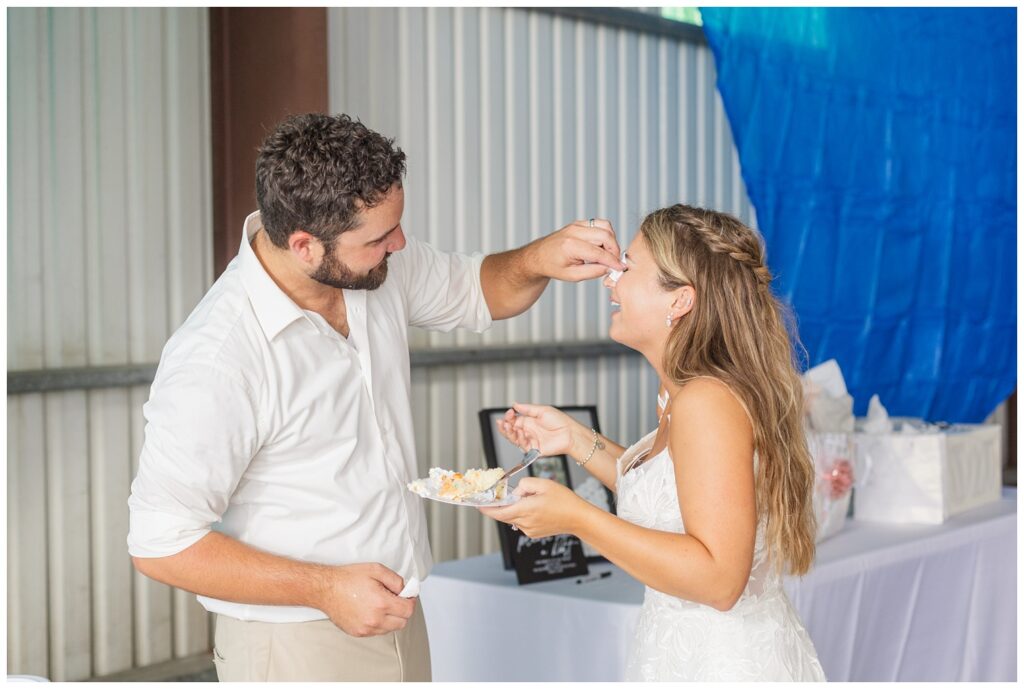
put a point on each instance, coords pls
(715, 503)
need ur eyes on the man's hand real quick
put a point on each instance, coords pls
(513, 280)
(578, 251)
(362, 600)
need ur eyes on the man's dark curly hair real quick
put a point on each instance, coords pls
(315, 172)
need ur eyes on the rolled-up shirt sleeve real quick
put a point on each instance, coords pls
(442, 290)
(201, 433)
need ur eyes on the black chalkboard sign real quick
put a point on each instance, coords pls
(543, 559)
(501, 453)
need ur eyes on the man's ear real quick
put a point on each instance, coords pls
(305, 247)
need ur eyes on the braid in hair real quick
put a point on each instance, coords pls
(713, 230)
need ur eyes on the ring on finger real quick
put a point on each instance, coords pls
(514, 527)
(591, 222)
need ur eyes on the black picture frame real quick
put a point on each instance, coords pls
(500, 453)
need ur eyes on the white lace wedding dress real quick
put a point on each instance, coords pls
(760, 639)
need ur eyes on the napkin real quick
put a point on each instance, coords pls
(411, 590)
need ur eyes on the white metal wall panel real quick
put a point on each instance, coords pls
(516, 122)
(28, 640)
(110, 247)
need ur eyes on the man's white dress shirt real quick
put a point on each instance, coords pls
(267, 425)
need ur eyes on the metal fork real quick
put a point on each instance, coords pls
(528, 459)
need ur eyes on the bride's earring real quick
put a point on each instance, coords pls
(668, 322)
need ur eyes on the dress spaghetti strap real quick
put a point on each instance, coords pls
(663, 399)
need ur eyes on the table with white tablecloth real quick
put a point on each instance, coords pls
(883, 602)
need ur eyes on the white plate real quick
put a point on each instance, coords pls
(431, 495)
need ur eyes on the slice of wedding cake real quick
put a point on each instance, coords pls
(454, 485)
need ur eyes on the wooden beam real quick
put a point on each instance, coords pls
(265, 64)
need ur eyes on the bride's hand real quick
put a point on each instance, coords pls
(545, 508)
(545, 428)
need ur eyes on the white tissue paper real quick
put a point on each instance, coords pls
(877, 420)
(828, 378)
(827, 404)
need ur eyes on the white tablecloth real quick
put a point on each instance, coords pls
(883, 602)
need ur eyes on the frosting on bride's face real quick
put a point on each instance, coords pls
(640, 304)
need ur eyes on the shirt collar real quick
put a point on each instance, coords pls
(274, 309)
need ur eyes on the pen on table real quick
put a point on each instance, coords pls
(593, 577)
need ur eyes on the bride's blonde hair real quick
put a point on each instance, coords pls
(739, 333)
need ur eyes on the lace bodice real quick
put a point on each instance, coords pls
(760, 638)
(656, 506)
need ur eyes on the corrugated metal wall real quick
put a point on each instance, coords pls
(516, 122)
(109, 248)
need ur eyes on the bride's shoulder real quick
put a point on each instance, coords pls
(704, 387)
(708, 400)
(710, 428)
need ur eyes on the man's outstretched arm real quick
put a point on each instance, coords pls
(513, 280)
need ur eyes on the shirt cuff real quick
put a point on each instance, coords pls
(483, 319)
(153, 534)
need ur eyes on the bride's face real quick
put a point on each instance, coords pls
(640, 304)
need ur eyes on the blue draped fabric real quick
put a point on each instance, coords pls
(878, 146)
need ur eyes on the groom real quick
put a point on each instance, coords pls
(279, 433)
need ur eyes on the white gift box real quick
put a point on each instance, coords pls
(926, 476)
(828, 450)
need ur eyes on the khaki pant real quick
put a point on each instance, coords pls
(319, 651)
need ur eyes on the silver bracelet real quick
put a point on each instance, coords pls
(598, 445)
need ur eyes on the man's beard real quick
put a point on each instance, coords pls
(333, 273)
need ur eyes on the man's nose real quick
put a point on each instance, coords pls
(397, 242)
